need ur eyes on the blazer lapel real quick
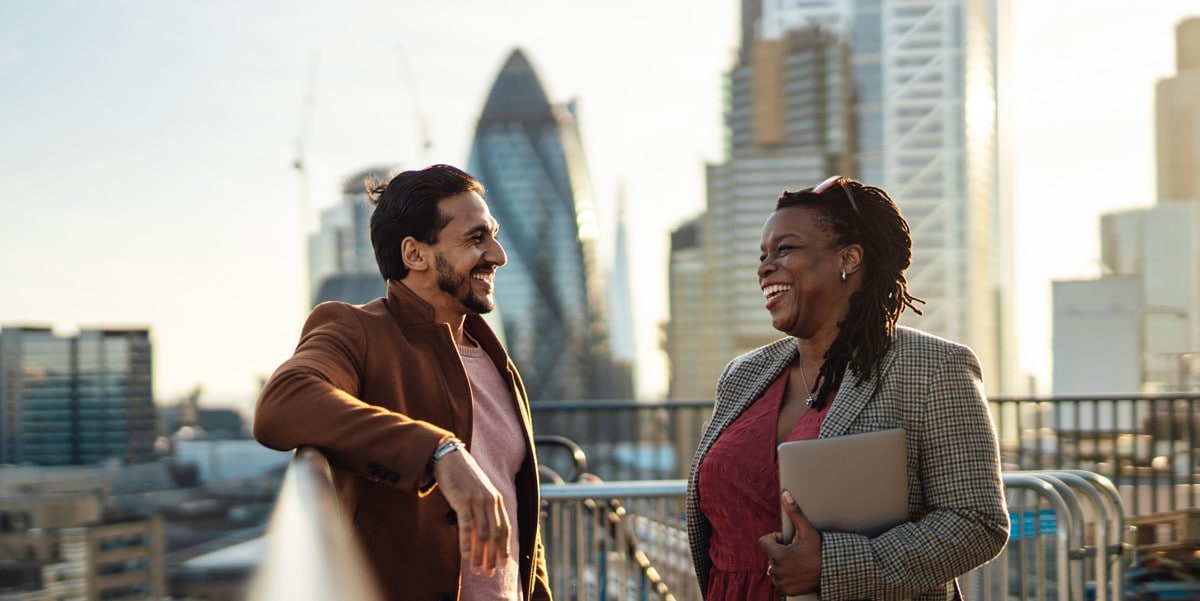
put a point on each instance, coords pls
(753, 377)
(852, 396)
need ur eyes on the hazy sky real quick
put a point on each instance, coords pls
(146, 147)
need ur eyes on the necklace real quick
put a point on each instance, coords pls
(810, 400)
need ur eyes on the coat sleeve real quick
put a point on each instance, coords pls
(541, 579)
(311, 400)
(966, 519)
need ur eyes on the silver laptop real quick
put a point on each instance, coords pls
(855, 483)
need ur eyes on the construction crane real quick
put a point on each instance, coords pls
(300, 162)
(304, 217)
(410, 83)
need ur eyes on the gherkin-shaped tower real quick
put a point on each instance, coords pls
(550, 299)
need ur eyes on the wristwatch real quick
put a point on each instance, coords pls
(448, 446)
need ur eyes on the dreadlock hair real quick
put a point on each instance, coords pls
(873, 222)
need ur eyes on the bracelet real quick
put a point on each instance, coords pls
(449, 446)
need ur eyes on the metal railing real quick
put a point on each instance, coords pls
(1145, 449)
(1067, 541)
(618, 541)
(1148, 445)
(311, 551)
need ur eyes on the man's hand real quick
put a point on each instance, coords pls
(795, 567)
(482, 521)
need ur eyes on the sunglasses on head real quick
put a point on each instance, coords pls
(841, 181)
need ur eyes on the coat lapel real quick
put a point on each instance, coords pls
(852, 396)
(760, 370)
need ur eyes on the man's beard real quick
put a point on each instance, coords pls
(459, 287)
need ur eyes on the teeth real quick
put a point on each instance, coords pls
(774, 289)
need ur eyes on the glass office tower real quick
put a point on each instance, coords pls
(550, 297)
(75, 400)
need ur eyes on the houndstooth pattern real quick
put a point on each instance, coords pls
(932, 388)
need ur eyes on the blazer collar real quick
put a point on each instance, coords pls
(405, 306)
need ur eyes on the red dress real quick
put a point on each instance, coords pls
(739, 494)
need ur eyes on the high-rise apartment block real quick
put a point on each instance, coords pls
(550, 297)
(897, 94)
(75, 400)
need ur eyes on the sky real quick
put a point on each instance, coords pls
(147, 147)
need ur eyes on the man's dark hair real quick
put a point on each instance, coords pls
(873, 222)
(408, 206)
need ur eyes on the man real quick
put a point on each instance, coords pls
(418, 408)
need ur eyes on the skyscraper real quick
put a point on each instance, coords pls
(550, 296)
(75, 400)
(1157, 248)
(341, 260)
(925, 110)
(897, 94)
(788, 125)
(1177, 119)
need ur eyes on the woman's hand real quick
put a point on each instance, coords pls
(794, 567)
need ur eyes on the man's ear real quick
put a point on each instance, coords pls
(852, 256)
(415, 254)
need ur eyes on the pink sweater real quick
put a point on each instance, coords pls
(499, 447)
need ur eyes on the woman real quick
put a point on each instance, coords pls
(832, 271)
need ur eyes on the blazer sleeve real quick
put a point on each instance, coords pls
(966, 519)
(311, 400)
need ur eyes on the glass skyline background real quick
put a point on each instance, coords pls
(148, 151)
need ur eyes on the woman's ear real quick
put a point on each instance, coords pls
(414, 254)
(852, 256)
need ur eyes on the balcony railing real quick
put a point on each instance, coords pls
(613, 515)
(627, 540)
(1149, 445)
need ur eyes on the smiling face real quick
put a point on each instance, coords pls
(800, 270)
(466, 255)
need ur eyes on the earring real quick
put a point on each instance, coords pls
(843, 274)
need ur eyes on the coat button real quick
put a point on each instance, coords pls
(452, 517)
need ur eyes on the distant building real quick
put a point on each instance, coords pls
(619, 296)
(75, 400)
(896, 94)
(1158, 247)
(1177, 119)
(217, 460)
(56, 543)
(789, 124)
(550, 296)
(341, 260)
(1096, 326)
(925, 129)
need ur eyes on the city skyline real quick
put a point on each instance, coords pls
(148, 173)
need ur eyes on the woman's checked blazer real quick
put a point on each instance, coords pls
(933, 389)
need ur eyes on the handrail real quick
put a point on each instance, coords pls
(311, 552)
(578, 457)
(606, 511)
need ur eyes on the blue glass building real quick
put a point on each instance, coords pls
(550, 296)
